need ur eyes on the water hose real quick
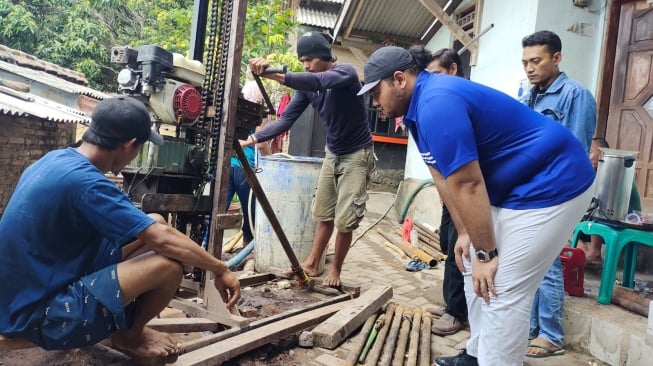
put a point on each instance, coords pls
(236, 260)
(409, 201)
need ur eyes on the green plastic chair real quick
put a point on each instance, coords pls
(616, 239)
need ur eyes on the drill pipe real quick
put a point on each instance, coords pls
(425, 341)
(391, 341)
(413, 345)
(378, 324)
(400, 352)
(375, 352)
(352, 358)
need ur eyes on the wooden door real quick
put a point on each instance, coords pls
(630, 118)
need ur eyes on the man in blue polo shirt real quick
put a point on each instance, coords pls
(517, 180)
(79, 261)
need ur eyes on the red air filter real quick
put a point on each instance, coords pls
(187, 102)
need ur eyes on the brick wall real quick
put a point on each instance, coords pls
(23, 140)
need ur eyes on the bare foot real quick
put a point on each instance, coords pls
(332, 279)
(148, 343)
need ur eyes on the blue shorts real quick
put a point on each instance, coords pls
(88, 310)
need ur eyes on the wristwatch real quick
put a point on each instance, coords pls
(484, 256)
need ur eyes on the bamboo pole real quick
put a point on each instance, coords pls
(396, 249)
(425, 341)
(391, 340)
(402, 341)
(352, 358)
(413, 346)
(410, 250)
(375, 352)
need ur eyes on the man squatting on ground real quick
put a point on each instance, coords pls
(342, 187)
(569, 103)
(518, 181)
(79, 261)
(447, 61)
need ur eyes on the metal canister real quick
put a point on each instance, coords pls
(614, 180)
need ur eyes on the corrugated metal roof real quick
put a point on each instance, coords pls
(16, 103)
(51, 80)
(405, 19)
(316, 18)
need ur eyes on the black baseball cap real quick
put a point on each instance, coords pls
(383, 63)
(123, 118)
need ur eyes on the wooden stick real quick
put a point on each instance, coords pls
(352, 358)
(413, 346)
(431, 236)
(393, 334)
(402, 341)
(629, 300)
(396, 249)
(425, 341)
(375, 352)
(410, 250)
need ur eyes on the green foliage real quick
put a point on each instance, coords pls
(78, 34)
(267, 28)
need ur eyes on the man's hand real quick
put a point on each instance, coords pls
(258, 65)
(228, 287)
(483, 278)
(462, 249)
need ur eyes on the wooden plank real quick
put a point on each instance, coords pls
(9, 344)
(226, 349)
(337, 328)
(205, 341)
(183, 325)
(161, 202)
(255, 279)
(198, 311)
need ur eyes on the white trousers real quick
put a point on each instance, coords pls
(528, 241)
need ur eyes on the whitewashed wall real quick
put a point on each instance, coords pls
(499, 59)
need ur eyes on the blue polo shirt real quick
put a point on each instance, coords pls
(527, 160)
(61, 211)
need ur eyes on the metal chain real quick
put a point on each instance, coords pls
(219, 84)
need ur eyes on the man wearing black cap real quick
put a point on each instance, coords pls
(79, 261)
(342, 187)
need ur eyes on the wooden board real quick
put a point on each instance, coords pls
(337, 328)
(183, 325)
(224, 350)
(205, 341)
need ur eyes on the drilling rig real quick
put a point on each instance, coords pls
(187, 176)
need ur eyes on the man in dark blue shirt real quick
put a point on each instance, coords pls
(80, 262)
(342, 187)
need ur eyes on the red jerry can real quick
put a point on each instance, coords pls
(573, 270)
